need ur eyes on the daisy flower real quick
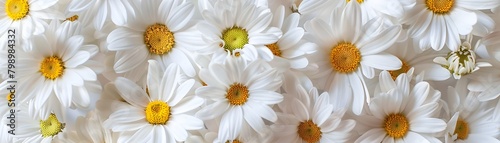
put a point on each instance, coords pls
(158, 30)
(28, 16)
(158, 113)
(34, 128)
(241, 93)
(59, 65)
(346, 52)
(402, 115)
(312, 120)
(289, 49)
(116, 10)
(463, 60)
(437, 23)
(238, 28)
(471, 120)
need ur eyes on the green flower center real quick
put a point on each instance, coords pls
(234, 38)
(51, 126)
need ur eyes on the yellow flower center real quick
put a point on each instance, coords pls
(359, 1)
(462, 129)
(234, 38)
(309, 132)
(237, 94)
(345, 57)
(439, 6)
(72, 18)
(404, 68)
(16, 9)
(159, 39)
(157, 112)
(51, 126)
(234, 141)
(52, 67)
(275, 49)
(396, 125)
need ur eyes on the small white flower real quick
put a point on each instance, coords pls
(27, 17)
(469, 119)
(241, 93)
(59, 66)
(159, 113)
(311, 118)
(34, 128)
(402, 115)
(237, 28)
(159, 30)
(347, 51)
(437, 23)
(464, 60)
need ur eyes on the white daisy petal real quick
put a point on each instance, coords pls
(373, 135)
(132, 93)
(231, 123)
(382, 61)
(427, 125)
(79, 58)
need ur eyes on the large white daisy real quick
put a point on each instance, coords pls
(437, 23)
(401, 115)
(59, 65)
(468, 119)
(241, 93)
(312, 120)
(158, 30)
(27, 17)
(238, 28)
(347, 52)
(158, 113)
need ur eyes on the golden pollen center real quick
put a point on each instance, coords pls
(439, 6)
(345, 57)
(396, 125)
(72, 18)
(237, 94)
(404, 68)
(309, 132)
(234, 38)
(51, 126)
(16, 9)
(462, 129)
(359, 1)
(275, 49)
(52, 67)
(159, 39)
(157, 112)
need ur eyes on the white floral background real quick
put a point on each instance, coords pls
(250, 71)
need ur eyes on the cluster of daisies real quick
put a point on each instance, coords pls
(251, 71)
